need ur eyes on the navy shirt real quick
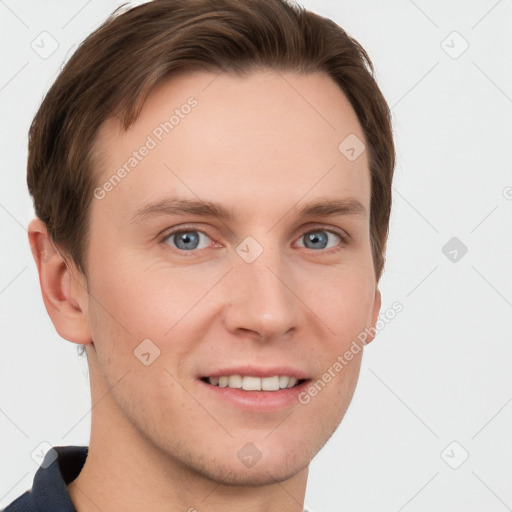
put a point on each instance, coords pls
(49, 492)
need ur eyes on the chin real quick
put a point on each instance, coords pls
(278, 461)
(261, 474)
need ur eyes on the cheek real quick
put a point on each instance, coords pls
(344, 303)
(141, 301)
(131, 302)
(346, 309)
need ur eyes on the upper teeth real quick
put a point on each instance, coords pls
(249, 383)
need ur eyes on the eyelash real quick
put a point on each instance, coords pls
(343, 237)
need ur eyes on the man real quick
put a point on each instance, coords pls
(212, 185)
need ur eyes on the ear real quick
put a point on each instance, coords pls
(375, 315)
(63, 287)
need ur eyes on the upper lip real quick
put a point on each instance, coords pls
(261, 372)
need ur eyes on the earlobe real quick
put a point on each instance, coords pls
(64, 295)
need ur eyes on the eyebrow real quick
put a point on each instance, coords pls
(174, 206)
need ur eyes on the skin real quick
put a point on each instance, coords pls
(159, 440)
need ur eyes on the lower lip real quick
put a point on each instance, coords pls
(257, 401)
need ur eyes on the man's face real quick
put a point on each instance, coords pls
(264, 293)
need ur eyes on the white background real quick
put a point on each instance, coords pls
(439, 372)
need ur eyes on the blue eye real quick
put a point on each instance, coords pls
(319, 239)
(189, 240)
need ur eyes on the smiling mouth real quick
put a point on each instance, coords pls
(251, 383)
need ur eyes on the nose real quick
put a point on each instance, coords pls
(260, 298)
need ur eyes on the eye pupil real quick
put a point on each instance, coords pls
(317, 238)
(187, 240)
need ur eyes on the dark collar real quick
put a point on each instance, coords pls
(61, 466)
(49, 489)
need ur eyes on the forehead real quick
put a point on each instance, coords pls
(262, 138)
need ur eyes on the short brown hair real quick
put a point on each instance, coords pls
(117, 66)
